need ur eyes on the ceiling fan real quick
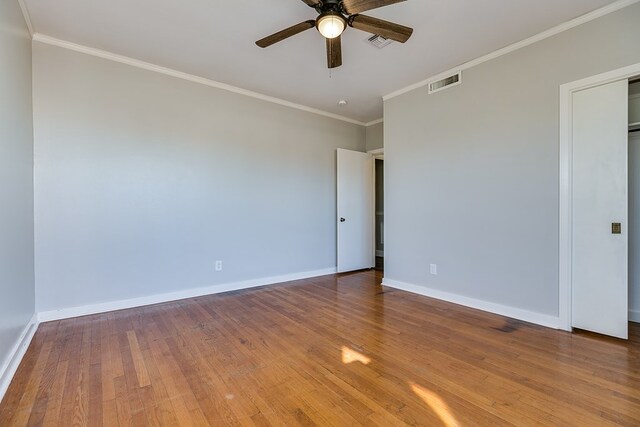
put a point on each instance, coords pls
(333, 18)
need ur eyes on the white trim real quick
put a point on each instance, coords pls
(634, 316)
(85, 310)
(185, 76)
(615, 6)
(373, 212)
(565, 183)
(27, 17)
(378, 153)
(16, 354)
(502, 310)
(374, 122)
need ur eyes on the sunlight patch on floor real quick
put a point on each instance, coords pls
(349, 356)
(436, 404)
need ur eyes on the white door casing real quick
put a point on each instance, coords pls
(355, 210)
(599, 295)
(565, 235)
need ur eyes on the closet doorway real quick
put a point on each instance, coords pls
(595, 220)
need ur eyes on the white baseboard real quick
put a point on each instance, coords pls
(634, 316)
(65, 313)
(503, 310)
(10, 367)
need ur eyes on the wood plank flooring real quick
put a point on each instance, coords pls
(331, 351)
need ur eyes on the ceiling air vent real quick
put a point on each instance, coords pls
(445, 83)
(379, 41)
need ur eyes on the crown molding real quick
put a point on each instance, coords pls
(374, 122)
(598, 13)
(42, 38)
(27, 17)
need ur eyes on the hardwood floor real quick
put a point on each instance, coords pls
(335, 350)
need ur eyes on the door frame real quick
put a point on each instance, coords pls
(372, 208)
(565, 248)
(378, 154)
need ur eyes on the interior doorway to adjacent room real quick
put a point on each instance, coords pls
(379, 208)
(360, 210)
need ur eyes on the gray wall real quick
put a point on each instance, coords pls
(143, 181)
(375, 136)
(471, 173)
(16, 178)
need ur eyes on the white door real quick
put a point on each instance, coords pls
(355, 210)
(600, 197)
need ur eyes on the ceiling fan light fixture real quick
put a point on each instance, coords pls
(332, 20)
(331, 24)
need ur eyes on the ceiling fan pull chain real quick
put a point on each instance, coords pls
(330, 56)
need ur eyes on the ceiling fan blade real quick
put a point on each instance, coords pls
(356, 6)
(313, 3)
(387, 29)
(334, 52)
(285, 34)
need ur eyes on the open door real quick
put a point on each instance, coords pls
(355, 219)
(599, 285)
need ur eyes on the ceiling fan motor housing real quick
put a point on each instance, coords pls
(327, 5)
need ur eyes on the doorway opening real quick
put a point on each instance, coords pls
(379, 213)
(355, 222)
(360, 210)
(600, 203)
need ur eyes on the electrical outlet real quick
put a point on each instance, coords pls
(433, 269)
(218, 265)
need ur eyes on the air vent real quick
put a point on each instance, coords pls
(379, 41)
(445, 83)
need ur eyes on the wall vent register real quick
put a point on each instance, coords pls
(445, 83)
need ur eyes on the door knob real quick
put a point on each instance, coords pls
(342, 220)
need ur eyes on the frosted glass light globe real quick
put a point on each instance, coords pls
(331, 26)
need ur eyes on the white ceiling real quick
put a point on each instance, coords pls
(215, 39)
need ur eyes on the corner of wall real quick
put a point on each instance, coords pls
(16, 354)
